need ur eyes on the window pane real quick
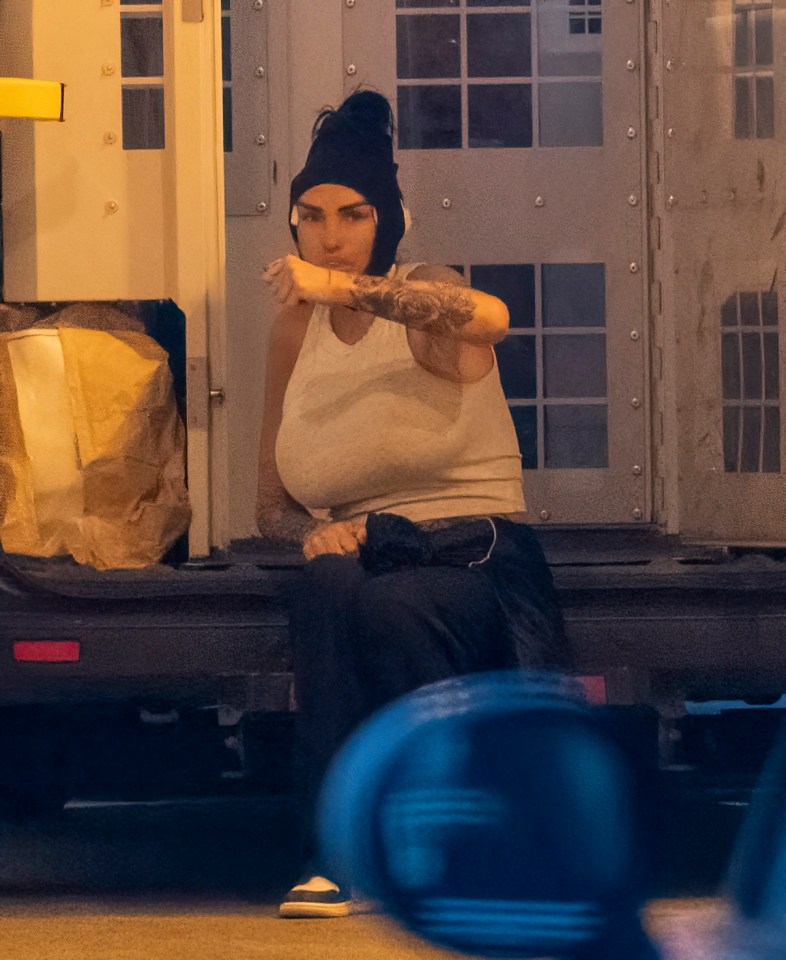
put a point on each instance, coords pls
(225, 4)
(500, 115)
(574, 366)
(730, 365)
(514, 284)
(769, 308)
(428, 46)
(751, 439)
(771, 374)
(569, 44)
(765, 108)
(571, 115)
(574, 295)
(429, 118)
(517, 370)
(226, 49)
(729, 311)
(742, 39)
(497, 3)
(751, 367)
(143, 118)
(499, 45)
(227, 119)
(772, 440)
(763, 37)
(525, 420)
(731, 438)
(749, 309)
(743, 112)
(576, 436)
(410, 4)
(142, 46)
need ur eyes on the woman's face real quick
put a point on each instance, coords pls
(336, 228)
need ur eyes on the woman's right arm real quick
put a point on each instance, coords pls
(280, 519)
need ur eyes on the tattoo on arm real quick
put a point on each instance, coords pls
(282, 522)
(435, 307)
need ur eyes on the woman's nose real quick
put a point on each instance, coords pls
(331, 238)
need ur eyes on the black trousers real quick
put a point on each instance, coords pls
(366, 631)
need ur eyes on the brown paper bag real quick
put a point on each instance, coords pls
(92, 451)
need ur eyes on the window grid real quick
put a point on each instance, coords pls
(136, 136)
(590, 9)
(587, 19)
(743, 392)
(753, 113)
(538, 332)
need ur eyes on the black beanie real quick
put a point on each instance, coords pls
(353, 147)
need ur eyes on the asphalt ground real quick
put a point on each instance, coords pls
(201, 879)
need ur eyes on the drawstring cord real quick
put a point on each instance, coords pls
(477, 563)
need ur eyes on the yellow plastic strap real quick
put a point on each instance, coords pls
(34, 99)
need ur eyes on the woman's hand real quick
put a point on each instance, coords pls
(343, 538)
(294, 280)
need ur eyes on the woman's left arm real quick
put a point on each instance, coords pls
(433, 299)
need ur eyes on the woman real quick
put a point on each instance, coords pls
(389, 454)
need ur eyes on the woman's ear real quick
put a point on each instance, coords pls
(294, 219)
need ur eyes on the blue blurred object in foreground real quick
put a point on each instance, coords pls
(492, 814)
(757, 876)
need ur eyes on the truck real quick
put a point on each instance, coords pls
(610, 171)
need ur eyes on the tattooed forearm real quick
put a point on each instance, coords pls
(283, 529)
(434, 306)
(280, 521)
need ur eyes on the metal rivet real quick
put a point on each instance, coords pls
(633, 266)
(631, 133)
(545, 515)
(636, 470)
(671, 133)
(262, 206)
(633, 200)
(634, 334)
(352, 70)
(670, 64)
(447, 204)
(259, 72)
(111, 206)
(732, 194)
(110, 137)
(258, 4)
(635, 403)
(672, 201)
(637, 514)
(630, 65)
(261, 139)
(350, 3)
(540, 201)
(107, 69)
(705, 197)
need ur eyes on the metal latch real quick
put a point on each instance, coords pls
(217, 395)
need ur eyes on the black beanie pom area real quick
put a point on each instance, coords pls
(353, 147)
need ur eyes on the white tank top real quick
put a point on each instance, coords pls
(366, 429)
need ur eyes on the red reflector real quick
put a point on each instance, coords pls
(594, 689)
(46, 651)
